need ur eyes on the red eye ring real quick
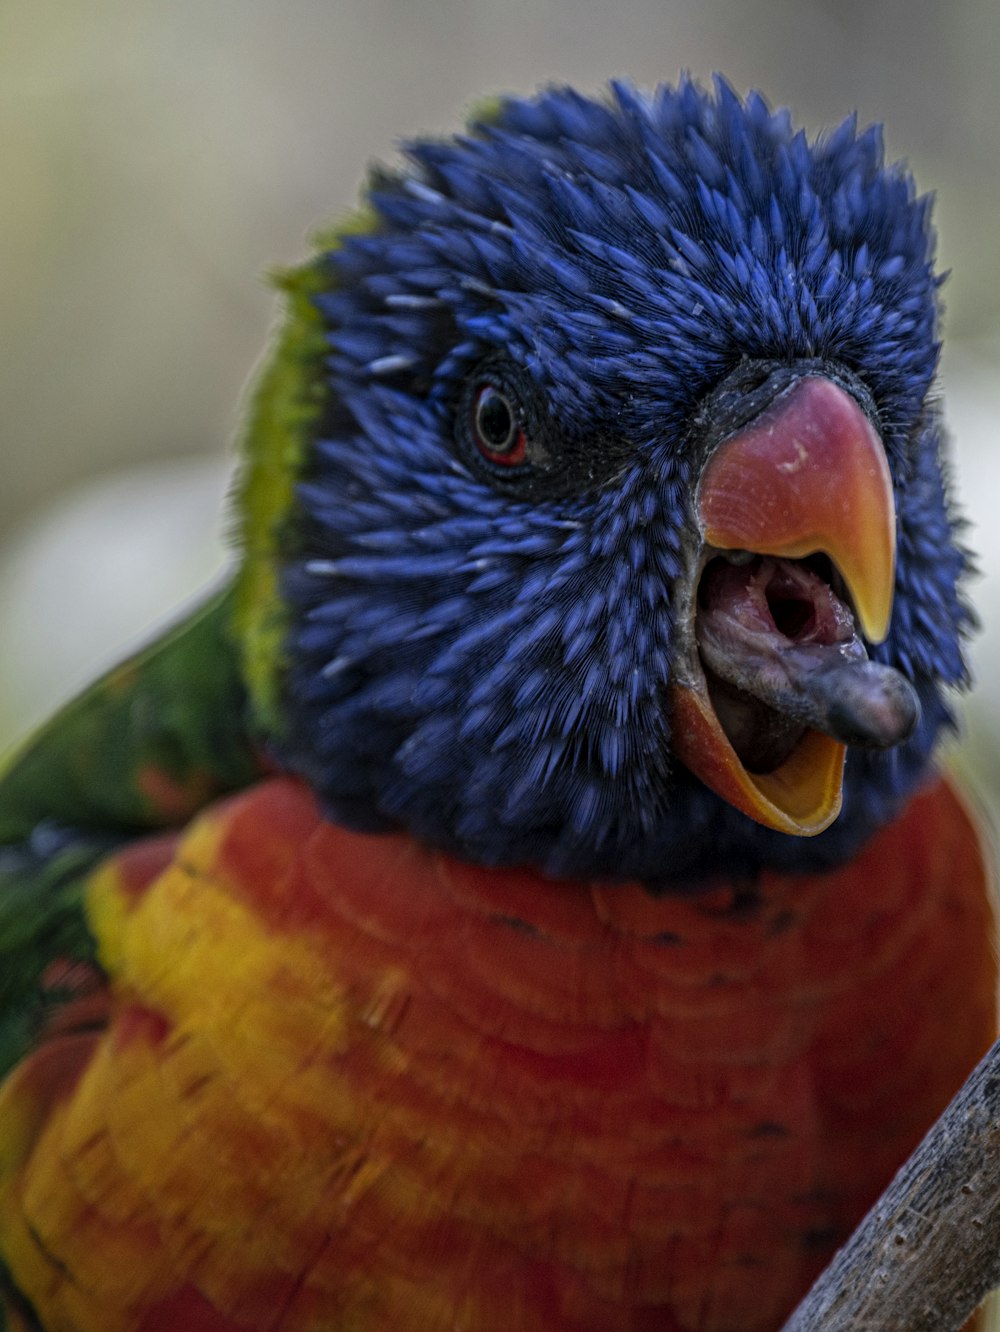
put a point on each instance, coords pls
(498, 433)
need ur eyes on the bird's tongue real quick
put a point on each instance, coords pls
(782, 655)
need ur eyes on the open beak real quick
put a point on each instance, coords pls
(795, 573)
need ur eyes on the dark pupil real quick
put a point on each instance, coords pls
(494, 420)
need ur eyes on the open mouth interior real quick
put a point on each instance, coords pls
(782, 654)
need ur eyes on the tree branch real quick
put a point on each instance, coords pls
(928, 1252)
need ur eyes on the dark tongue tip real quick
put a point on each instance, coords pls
(864, 703)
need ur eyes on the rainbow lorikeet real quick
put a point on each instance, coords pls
(523, 899)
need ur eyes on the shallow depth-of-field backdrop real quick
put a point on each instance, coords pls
(157, 158)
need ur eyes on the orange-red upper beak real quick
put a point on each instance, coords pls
(809, 475)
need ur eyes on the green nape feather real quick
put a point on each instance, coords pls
(285, 408)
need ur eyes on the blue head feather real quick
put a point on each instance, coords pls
(485, 661)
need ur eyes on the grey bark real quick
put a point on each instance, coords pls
(928, 1252)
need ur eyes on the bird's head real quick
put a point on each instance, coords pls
(602, 511)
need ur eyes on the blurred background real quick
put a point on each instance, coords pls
(159, 158)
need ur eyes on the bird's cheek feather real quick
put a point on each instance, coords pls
(798, 534)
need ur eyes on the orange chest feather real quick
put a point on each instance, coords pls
(347, 1083)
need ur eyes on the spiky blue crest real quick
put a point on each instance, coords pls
(486, 662)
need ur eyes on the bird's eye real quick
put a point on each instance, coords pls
(500, 437)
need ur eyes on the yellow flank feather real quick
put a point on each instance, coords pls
(216, 1078)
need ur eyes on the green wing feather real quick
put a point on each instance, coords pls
(41, 920)
(143, 748)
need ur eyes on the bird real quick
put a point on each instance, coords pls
(525, 895)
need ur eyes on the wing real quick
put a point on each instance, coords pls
(143, 749)
(146, 746)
